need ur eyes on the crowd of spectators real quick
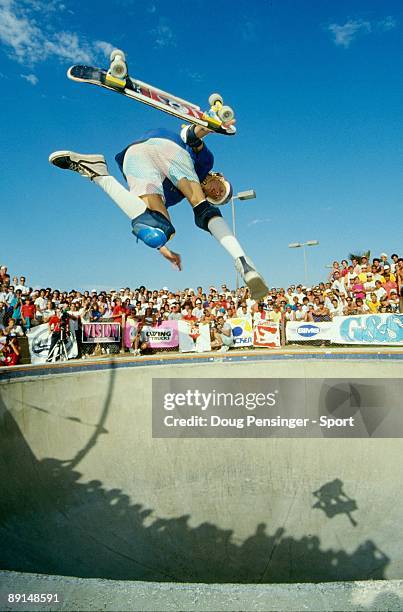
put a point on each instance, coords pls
(355, 287)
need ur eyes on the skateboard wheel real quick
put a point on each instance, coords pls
(226, 114)
(118, 69)
(215, 97)
(117, 53)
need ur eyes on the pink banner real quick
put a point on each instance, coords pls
(161, 336)
(100, 332)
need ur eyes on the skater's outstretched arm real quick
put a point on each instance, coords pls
(193, 135)
(201, 132)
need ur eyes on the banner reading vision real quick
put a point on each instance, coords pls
(100, 333)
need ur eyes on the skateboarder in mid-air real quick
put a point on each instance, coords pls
(161, 168)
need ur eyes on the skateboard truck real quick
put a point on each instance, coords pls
(224, 113)
(117, 73)
(218, 114)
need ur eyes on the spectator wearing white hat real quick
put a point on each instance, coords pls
(175, 313)
(384, 259)
(369, 284)
(198, 310)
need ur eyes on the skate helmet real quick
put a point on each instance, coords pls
(228, 188)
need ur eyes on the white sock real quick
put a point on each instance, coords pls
(221, 232)
(129, 203)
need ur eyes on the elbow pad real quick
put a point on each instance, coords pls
(188, 136)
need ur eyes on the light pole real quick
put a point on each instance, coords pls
(296, 245)
(250, 194)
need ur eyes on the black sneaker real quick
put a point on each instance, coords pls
(90, 166)
(252, 278)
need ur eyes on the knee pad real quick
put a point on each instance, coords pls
(204, 212)
(152, 228)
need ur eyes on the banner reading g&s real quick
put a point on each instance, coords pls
(382, 328)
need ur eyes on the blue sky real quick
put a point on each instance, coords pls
(317, 88)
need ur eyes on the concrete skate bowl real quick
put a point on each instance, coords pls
(87, 491)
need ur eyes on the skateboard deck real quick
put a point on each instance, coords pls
(148, 94)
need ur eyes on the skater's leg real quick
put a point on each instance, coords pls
(216, 225)
(144, 173)
(218, 228)
(192, 191)
(209, 218)
(129, 203)
(139, 209)
(156, 203)
(94, 167)
(152, 226)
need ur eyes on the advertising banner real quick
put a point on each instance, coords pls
(299, 331)
(382, 328)
(242, 331)
(266, 334)
(194, 337)
(39, 344)
(164, 335)
(161, 336)
(129, 334)
(94, 333)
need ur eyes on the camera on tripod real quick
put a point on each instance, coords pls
(58, 349)
(64, 322)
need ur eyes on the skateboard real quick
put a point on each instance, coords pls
(116, 78)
